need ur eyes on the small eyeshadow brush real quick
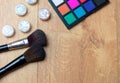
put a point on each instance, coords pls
(33, 54)
(37, 36)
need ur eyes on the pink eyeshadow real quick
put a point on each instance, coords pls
(73, 3)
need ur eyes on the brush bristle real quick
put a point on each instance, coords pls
(39, 37)
(34, 53)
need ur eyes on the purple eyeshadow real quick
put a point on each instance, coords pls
(73, 3)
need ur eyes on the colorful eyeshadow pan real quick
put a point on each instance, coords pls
(89, 6)
(58, 2)
(82, 1)
(80, 12)
(72, 12)
(63, 9)
(73, 3)
(70, 18)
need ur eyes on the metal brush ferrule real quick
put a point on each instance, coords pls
(18, 44)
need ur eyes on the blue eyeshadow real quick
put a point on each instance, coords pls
(79, 12)
(89, 6)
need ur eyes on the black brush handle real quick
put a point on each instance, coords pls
(4, 48)
(18, 62)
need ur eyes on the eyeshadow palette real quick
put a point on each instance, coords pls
(72, 12)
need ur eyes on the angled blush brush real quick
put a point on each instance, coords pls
(33, 54)
(37, 36)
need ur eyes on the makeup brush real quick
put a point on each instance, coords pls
(33, 54)
(37, 36)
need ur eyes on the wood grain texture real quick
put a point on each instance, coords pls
(88, 53)
(118, 31)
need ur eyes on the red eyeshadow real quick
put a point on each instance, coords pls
(82, 1)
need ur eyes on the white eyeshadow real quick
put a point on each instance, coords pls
(44, 14)
(24, 26)
(57, 2)
(20, 9)
(31, 1)
(8, 30)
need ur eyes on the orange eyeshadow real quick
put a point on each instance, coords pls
(63, 9)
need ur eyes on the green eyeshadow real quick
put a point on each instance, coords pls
(70, 18)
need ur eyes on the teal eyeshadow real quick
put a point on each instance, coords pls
(79, 12)
(70, 18)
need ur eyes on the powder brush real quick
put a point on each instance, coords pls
(33, 54)
(37, 36)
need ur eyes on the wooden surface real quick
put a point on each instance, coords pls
(88, 53)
